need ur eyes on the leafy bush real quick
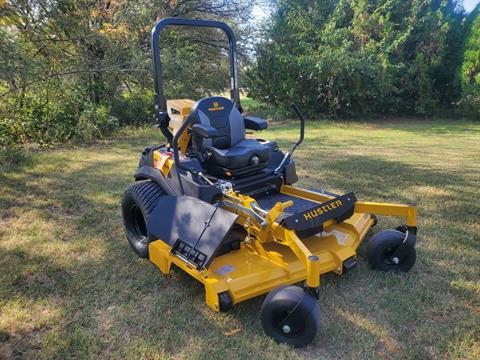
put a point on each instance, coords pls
(53, 115)
(7, 130)
(44, 115)
(11, 155)
(95, 123)
(134, 107)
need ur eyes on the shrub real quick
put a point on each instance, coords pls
(95, 122)
(11, 155)
(133, 107)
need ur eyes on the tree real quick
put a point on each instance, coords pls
(60, 59)
(344, 57)
(470, 71)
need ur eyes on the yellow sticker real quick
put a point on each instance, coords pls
(216, 107)
(160, 162)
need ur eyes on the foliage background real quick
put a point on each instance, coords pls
(349, 57)
(470, 70)
(80, 69)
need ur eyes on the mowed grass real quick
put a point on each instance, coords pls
(70, 287)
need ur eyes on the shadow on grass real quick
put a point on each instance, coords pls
(379, 179)
(117, 305)
(101, 287)
(438, 128)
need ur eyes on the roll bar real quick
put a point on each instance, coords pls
(160, 101)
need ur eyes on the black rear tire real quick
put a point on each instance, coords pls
(137, 205)
(291, 316)
(381, 247)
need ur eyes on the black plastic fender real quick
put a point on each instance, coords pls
(193, 228)
(150, 173)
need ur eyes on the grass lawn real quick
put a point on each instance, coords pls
(70, 287)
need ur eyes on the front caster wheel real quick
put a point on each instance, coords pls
(382, 246)
(291, 316)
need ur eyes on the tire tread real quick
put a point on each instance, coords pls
(146, 195)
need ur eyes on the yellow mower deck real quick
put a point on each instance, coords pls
(275, 256)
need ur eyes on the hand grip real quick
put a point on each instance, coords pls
(302, 127)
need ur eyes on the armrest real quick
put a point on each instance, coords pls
(204, 131)
(255, 123)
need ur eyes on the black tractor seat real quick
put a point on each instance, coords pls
(227, 151)
(240, 154)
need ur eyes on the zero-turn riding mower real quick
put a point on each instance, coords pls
(221, 206)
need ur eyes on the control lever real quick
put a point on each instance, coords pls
(289, 154)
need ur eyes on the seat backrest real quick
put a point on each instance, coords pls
(221, 114)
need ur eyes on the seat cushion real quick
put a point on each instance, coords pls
(221, 114)
(240, 154)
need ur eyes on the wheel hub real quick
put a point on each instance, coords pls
(286, 329)
(139, 223)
